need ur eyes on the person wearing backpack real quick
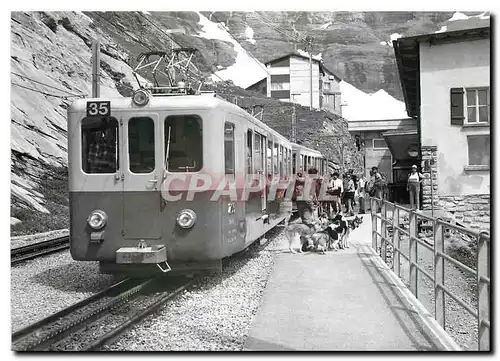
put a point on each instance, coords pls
(414, 181)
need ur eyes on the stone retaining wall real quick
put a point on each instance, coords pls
(472, 211)
(430, 153)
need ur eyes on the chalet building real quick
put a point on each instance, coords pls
(289, 80)
(445, 79)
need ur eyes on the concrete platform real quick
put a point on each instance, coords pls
(341, 301)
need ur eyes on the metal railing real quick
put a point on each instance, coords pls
(482, 273)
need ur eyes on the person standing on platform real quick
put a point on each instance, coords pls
(349, 195)
(336, 189)
(361, 193)
(414, 181)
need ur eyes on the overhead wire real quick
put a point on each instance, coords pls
(253, 57)
(47, 94)
(283, 31)
(47, 85)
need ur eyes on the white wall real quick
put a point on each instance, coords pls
(442, 67)
(300, 81)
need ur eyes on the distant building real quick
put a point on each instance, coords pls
(445, 79)
(289, 80)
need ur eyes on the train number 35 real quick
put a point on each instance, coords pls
(98, 109)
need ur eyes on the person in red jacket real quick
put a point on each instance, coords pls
(305, 202)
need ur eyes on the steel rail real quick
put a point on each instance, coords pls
(24, 253)
(117, 331)
(44, 333)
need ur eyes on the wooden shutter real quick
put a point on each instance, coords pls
(457, 106)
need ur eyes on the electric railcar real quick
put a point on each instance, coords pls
(133, 165)
(305, 158)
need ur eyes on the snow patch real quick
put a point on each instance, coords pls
(442, 30)
(85, 16)
(458, 16)
(395, 36)
(246, 70)
(483, 16)
(325, 26)
(249, 35)
(384, 43)
(146, 12)
(360, 106)
(306, 54)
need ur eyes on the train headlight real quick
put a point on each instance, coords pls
(140, 97)
(186, 218)
(97, 219)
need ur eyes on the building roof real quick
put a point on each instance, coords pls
(256, 83)
(406, 51)
(299, 55)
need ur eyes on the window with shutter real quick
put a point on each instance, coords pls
(457, 106)
(477, 106)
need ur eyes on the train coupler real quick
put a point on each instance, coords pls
(144, 254)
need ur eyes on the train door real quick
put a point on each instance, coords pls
(142, 170)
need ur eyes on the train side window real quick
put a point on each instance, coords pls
(141, 145)
(281, 170)
(275, 159)
(229, 148)
(100, 145)
(289, 164)
(269, 158)
(184, 143)
(258, 153)
(249, 152)
(285, 161)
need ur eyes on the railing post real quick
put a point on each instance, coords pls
(413, 253)
(483, 291)
(383, 231)
(373, 204)
(439, 301)
(396, 242)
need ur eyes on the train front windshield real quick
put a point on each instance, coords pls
(100, 145)
(183, 140)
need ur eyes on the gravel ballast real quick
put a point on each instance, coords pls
(215, 314)
(45, 285)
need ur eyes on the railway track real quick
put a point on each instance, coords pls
(21, 254)
(98, 320)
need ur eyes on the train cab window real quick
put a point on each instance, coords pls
(294, 164)
(100, 145)
(249, 152)
(184, 143)
(229, 148)
(141, 144)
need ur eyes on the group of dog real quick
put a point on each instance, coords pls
(323, 235)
